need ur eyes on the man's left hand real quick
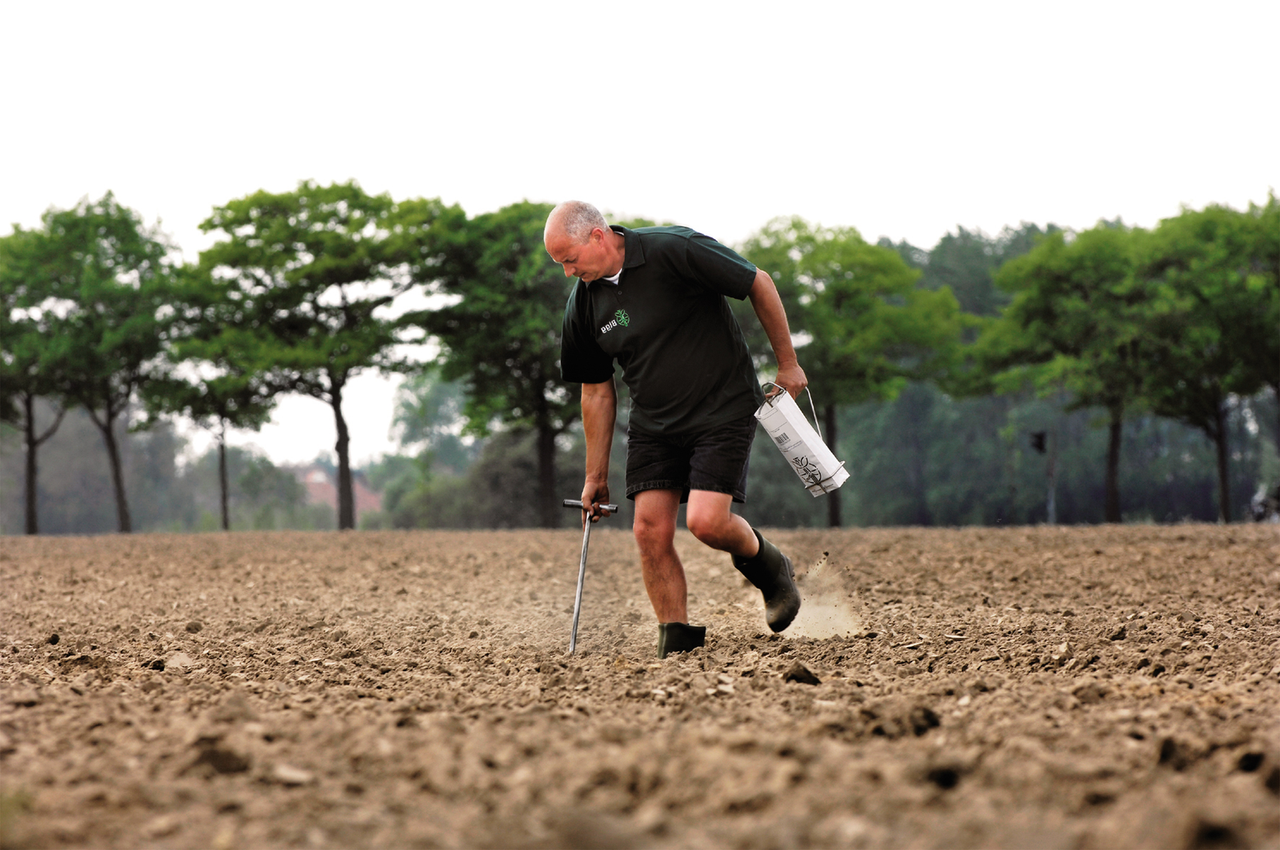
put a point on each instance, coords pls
(792, 378)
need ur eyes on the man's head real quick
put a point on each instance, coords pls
(579, 239)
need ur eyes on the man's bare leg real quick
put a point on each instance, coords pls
(711, 519)
(655, 532)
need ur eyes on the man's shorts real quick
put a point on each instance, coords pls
(714, 460)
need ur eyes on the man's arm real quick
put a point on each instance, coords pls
(773, 318)
(599, 413)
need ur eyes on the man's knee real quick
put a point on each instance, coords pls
(711, 527)
(652, 530)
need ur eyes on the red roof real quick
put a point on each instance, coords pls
(322, 489)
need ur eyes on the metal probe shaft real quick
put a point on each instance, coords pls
(582, 568)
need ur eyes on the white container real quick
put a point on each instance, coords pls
(801, 444)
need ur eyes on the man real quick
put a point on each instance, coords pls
(653, 299)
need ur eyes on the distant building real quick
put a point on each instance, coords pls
(322, 489)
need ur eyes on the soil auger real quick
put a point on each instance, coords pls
(582, 564)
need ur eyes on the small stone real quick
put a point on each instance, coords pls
(288, 775)
(53, 639)
(179, 661)
(1119, 634)
(194, 626)
(800, 673)
(161, 826)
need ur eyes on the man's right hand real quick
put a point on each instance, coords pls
(595, 495)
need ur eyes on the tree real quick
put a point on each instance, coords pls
(311, 281)
(218, 402)
(107, 286)
(424, 490)
(208, 377)
(429, 414)
(500, 336)
(1216, 326)
(24, 374)
(1077, 322)
(871, 329)
(1265, 264)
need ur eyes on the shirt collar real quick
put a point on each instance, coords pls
(632, 254)
(633, 250)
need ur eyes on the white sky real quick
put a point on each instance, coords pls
(902, 119)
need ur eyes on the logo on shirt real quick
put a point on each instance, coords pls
(620, 319)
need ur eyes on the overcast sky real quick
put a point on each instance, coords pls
(902, 119)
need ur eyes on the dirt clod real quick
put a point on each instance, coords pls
(800, 673)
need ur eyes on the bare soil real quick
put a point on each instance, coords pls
(1033, 687)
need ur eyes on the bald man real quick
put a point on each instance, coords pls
(652, 300)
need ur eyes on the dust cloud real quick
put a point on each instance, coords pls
(828, 609)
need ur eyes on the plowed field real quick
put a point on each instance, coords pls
(1033, 687)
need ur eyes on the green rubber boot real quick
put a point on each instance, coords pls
(771, 571)
(679, 637)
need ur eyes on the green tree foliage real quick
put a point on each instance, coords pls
(870, 329)
(1265, 263)
(928, 458)
(499, 335)
(107, 288)
(25, 374)
(209, 377)
(311, 277)
(1077, 323)
(421, 491)
(966, 261)
(262, 497)
(429, 415)
(1216, 326)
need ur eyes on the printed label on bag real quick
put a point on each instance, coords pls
(809, 471)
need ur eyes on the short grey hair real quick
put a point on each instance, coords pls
(578, 219)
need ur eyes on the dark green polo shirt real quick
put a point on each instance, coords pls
(666, 322)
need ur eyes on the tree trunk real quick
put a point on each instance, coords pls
(550, 509)
(1051, 473)
(117, 474)
(346, 494)
(1112, 507)
(1275, 391)
(33, 445)
(833, 498)
(222, 475)
(1224, 479)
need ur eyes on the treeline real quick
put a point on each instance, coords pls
(167, 493)
(1035, 376)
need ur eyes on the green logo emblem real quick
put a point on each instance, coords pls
(622, 317)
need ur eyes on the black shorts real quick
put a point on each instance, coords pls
(714, 460)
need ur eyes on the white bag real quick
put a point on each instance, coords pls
(801, 444)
